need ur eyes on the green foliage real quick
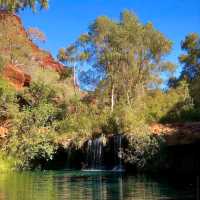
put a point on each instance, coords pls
(8, 101)
(80, 123)
(7, 163)
(123, 120)
(143, 148)
(7, 93)
(15, 46)
(191, 66)
(32, 135)
(13, 40)
(38, 92)
(191, 45)
(16, 5)
(170, 105)
(39, 115)
(37, 144)
(67, 73)
(127, 59)
(2, 64)
(127, 53)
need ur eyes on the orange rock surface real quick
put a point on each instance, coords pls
(3, 132)
(37, 56)
(16, 76)
(49, 62)
(178, 133)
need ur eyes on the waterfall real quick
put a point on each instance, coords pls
(95, 150)
(95, 153)
(69, 153)
(118, 153)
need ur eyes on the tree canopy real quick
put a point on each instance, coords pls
(16, 5)
(128, 54)
(126, 61)
(191, 64)
(191, 60)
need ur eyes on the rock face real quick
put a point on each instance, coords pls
(16, 47)
(16, 76)
(178, 133)
(3, 132)
(49, 62)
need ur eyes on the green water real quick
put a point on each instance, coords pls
(75, 185)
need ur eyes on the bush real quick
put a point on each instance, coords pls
(2, 64)
(144, 149)
(169, 106)
(32, 149)
(32, 134)
(7, 163)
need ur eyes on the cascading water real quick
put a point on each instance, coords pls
(118, 153)
(95, 154)
(69, 153)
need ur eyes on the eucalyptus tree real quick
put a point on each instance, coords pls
(129, 54)
(191, 65)
(35, 34)
(71, 56)
(191, 60)
(16, 5)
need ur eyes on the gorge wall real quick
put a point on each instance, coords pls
(20, 55)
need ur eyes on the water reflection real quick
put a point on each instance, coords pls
(75, 185)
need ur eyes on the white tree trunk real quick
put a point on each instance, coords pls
(112, 98)
(128, 98)
(74, 76)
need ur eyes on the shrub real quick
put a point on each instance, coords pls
(144, 149)
(7, 163)
(32, 134)
(32, 149)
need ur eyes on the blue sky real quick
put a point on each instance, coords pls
(65, 20)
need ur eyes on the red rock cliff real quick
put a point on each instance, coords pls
(14, 40)
(178, 133)
(16, 76)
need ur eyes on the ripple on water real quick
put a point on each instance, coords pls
(92, 185)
